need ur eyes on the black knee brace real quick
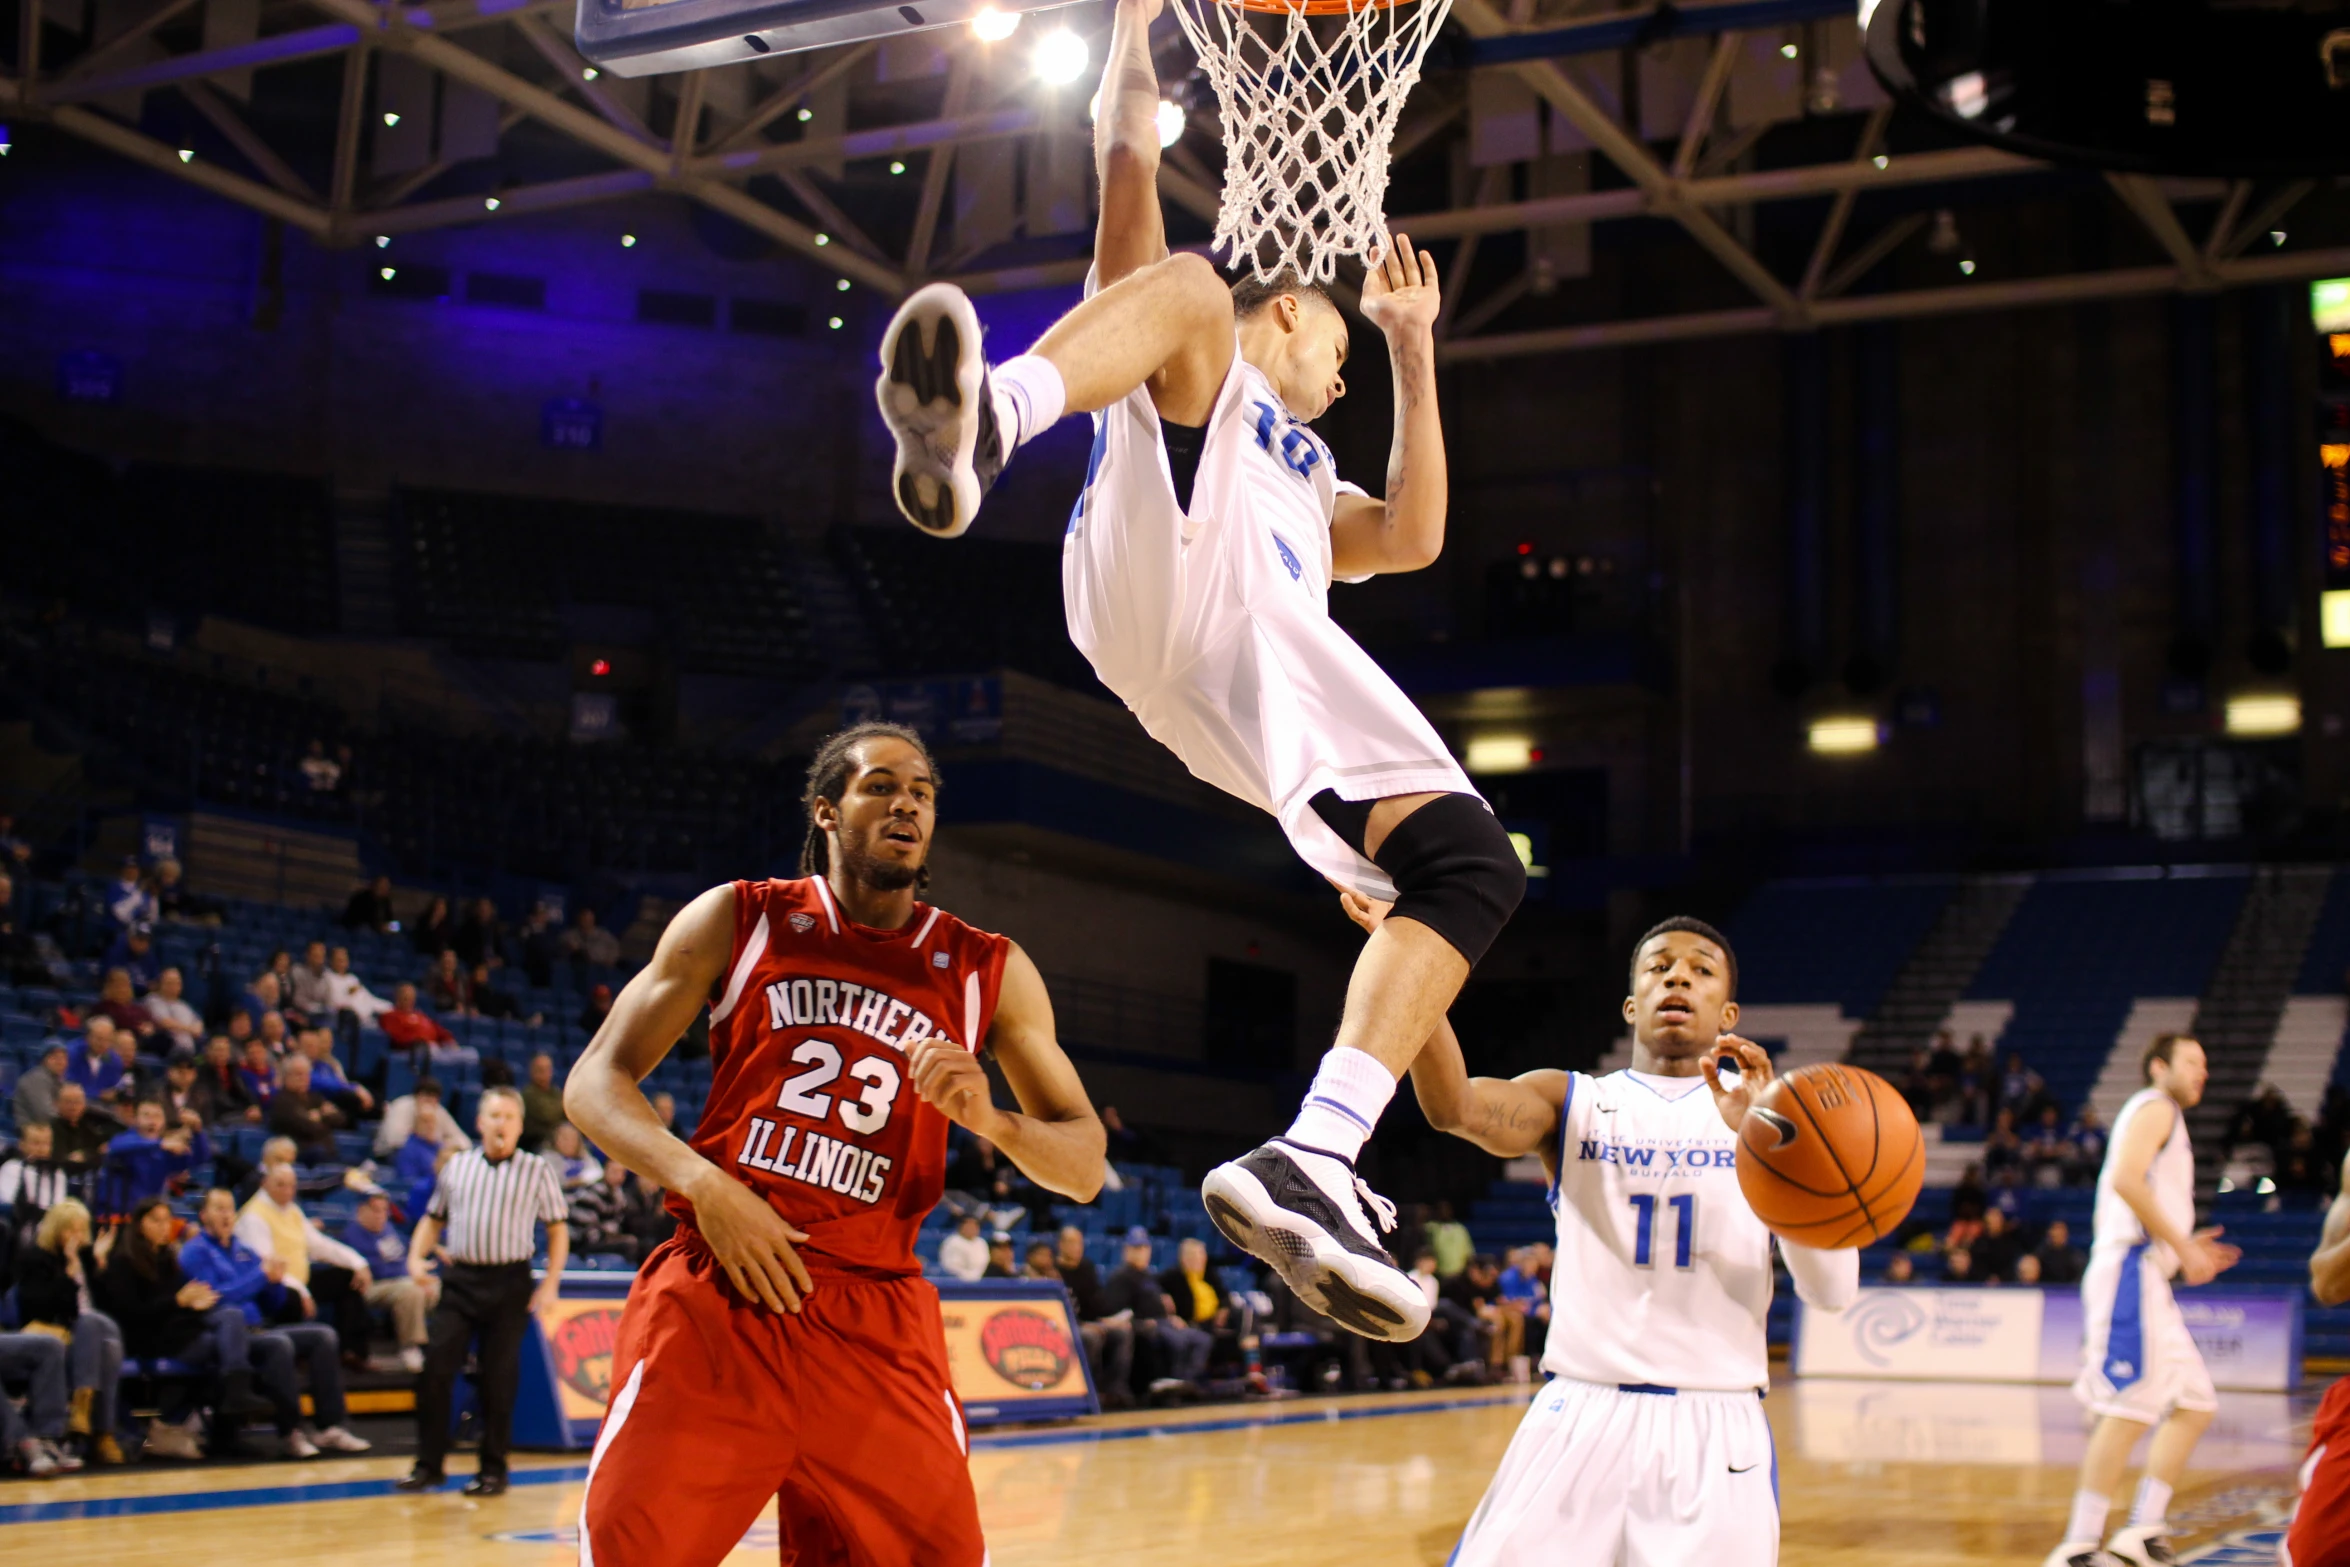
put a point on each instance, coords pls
(1454, 869)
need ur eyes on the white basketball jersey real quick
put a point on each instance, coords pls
(1664, 1272)
(2170, 1176)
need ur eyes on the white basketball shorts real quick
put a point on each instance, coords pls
(2137, 1360)
(1609, 1477)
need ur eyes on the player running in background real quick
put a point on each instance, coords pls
(2139, 1368)
(2320, 1535)
(1649, 1448)
(1197, 573)
(783, 1343)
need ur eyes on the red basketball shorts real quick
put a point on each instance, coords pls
(842, 1413)
(2320, 1536)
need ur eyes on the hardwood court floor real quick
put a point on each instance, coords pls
(1886, 1474)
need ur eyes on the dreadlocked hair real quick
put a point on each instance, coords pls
(828, 779)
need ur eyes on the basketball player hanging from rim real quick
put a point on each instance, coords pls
(1196, 571)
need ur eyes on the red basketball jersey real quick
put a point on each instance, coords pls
(812, 1102)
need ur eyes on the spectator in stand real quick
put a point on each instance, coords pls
(1449, 1239)
(446, 989)
(598, 1008)
(419, 1116)
(492, 1002)
(2060, 1260)
(134, 953)
(180, 1023)
(2003, 1151)
(321, 774)
(665, 1110)
(1428, 1359)
(600, 1214)
(962, 1253)
(239, 1029)
(431, 934)
(2088, 1139)
(1476, 1289)
(2046, 1153)
(373, 1236)
(20, 954)
(35, 1098)
(1525, 1289)
(567, 1152)
(54, 1276)
(1180, 1349)
(264, 998)
(1001, 1264)
(146, 1160)
(589, 944)
(327, 1077)
(128, 902)
(257, 1287)
(481, 935)
(31, 1183)
(173, 900)
(139, 1078)
(648, 1218)
(541, 943)
(1899, 1269)
(16, 853)
(2027, 1269)
(298, 1111)
(81, 1131)
(220, 1086)
(542, 1103)
(327, 1278)
(370, 908)
(182, 1105)
(96, 1068)
(1917, 1084)
(1958, 1266)
(1975, 1073)
(165, 1314)
(311, 1001)
(1995, 1252)
(410, 1029)
(1195, 1296)
(258, 1073)
(120, 1006)
(36, 1442)
(1040, 1263)
(1108, 1340)
(345, 992)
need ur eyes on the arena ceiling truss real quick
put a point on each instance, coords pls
(746, 148)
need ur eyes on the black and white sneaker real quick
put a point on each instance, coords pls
(935, 398)
(2142, 1545)
(1301, 1210)
(2074, 1554)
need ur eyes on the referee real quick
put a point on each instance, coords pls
(489, 1203)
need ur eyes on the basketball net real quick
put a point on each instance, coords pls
(1309, 91)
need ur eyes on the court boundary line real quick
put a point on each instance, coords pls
(564, 1474)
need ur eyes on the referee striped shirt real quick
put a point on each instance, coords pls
(490, 1212)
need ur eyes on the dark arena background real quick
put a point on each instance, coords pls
(443, 507)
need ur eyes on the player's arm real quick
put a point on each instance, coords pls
(2329, 1265)
(1404, 531)
(749, 1238)
(1133, 231)
(2200, 1255)
(1055, 1138)
(1507, 1116)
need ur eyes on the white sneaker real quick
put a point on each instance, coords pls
(300, 1444)
(935, 398)
(2075, 1553)
(337, 1440)
(412, 1359)
(62, 1458)
(1301, 1210)
(2143, 1545)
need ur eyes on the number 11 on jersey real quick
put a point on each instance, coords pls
(1684, 1228)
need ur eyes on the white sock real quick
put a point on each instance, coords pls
(2088, 1524)
(1349, 1095)
(2153, 1503)
(1029, 397)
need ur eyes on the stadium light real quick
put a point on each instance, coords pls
(1503, 753)
(628, 242)
(2267, 713)
(992, 26)
(1843, 736)
(2333, 614)
(1060, 58)
(1170, 123)
(5, 143)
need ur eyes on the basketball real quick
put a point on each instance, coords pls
(1830, 1157)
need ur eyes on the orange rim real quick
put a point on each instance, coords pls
(1312, 7)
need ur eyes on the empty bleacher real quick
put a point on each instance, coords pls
(937, 607)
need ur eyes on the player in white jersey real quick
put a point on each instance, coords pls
(1197, 572)
(1649, 1447)
(2138, 1366)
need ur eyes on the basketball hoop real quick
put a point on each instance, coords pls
(1308, 91)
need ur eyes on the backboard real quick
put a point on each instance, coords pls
(649, 37)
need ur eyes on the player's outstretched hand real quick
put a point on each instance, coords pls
(751, 1241)
(1734, 1099)
(2205, 1258)
(951, 1078)
(1399, 294)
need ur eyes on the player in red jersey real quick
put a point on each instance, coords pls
(783, 1343)
(2320, 1536)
